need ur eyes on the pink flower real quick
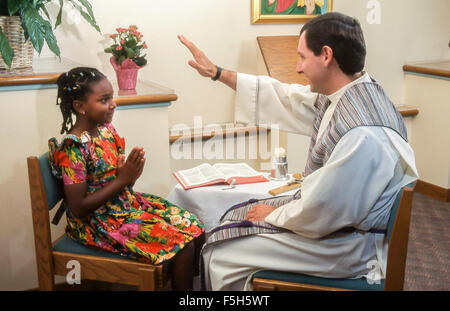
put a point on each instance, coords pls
(113, 36)
(122, 41)
(119, 48)
(126, 232)
(145, 45)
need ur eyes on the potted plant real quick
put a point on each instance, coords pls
(127, 56)
(33, 18)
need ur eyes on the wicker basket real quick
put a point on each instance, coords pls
(23, 51)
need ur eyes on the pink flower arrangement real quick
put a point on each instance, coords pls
(128, 44)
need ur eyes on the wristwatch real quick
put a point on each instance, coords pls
(217, 76)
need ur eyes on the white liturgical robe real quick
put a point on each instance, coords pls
(332, 197)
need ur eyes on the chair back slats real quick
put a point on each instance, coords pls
(398, 242)
(41, 223)
(53, 191)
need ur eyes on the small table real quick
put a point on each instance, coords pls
(211, 202)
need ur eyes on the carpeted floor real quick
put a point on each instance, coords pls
(428, 259)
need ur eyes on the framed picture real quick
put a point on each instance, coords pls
(288, 11)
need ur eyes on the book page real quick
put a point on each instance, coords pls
(236, 170)
(200, 174)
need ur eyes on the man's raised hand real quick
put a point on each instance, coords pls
(201, 63)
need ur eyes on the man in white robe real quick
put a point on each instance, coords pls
(354, 188)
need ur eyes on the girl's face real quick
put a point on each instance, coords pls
(99, 106)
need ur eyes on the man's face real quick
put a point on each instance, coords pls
(310, 65)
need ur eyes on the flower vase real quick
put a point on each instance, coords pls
(126, 73)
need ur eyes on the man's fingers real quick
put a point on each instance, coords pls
(193, 64)
(196, 52)
(191, 46)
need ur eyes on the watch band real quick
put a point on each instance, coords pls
(217, 76)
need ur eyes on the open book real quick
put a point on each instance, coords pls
(207, 174)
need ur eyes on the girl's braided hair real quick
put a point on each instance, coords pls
(74, 85)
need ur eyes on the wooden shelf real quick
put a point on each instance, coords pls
(408, 111)
(46, 70)
(440, 69)
(207, 134)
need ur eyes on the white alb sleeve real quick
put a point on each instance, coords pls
(261, 100)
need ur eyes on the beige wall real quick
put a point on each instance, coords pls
(27, 121)
(430, 128)
(410, 30)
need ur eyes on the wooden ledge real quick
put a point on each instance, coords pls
(145, 99)
(207, 134)
(440, 69)
(405, 111)
(408, 111)
(29, 79)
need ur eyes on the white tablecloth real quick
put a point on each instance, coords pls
(211, 202)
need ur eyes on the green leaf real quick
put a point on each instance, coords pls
(51, 39)
(33, 25)
(108, 50)
(129, 52)
(131, 43)
(59, 17)
(5, 49)
(121, 59)
(88, 7)
(44, 9)
(140, 61)
(90, 19)
(13, 6)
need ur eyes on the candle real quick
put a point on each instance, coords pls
(280, 152)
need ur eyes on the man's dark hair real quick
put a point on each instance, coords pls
(343, 34)
(75, 85)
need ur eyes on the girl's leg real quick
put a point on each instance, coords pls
(182, 277)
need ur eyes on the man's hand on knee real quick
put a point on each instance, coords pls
(259, 212)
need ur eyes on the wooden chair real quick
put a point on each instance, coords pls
(52, 259)
(397, 235)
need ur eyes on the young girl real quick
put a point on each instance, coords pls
(103, 210)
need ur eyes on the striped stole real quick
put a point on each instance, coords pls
(364, 104)
(233, 223)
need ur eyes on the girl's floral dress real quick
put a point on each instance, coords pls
(133, 224)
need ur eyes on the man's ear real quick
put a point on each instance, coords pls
(327, 55)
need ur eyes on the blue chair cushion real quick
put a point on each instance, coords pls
(355, 284)
(67, 245)
(53, 193)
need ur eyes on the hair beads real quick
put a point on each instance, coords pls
(74, 85)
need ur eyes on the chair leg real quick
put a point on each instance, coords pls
(46, 282)
(147, 279)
